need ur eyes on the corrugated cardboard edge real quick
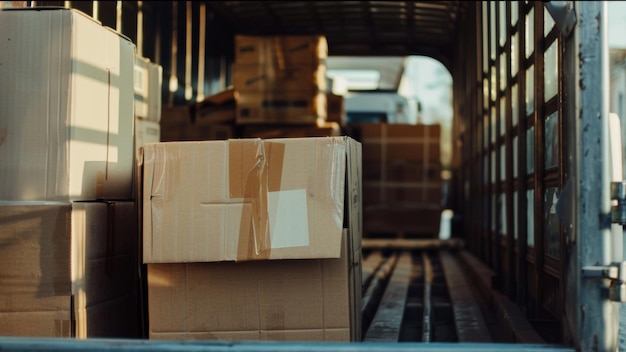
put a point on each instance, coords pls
(354, 222)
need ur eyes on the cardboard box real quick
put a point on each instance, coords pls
(69, 269)
(402, 220)
(249, 199)
(401, 170)
(335, 109)
(210, 132)
(148, 80)
(328, 129)
(175, 123)
(403, 187)
(376, 193)
(297, 107)
(146, 131)
(399, 141)
(66, 107)
(284, 51)
(219, 108)
(260, 77)
(302, 300)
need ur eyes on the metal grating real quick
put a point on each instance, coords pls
(354, 28)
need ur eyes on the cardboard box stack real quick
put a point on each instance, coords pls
(68, 221)
(280, 79)
(253, 239)
(211, 119)
(402, 184)
(279, 91)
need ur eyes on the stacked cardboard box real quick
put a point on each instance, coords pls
(278, 91)
(148, 80)
(253, 239)
(280, 79)
(402, 188)
(214, 117)
(335, 109)
(180, 123)
(69, 269)
(68, 259)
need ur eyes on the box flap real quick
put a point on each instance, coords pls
(246, 199)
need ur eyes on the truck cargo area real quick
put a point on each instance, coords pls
(312, 176)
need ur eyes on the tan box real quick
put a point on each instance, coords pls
(402, 220)
(219, 108)
(146, 131)
(298, 299)
(66, 107)
(148, 81)
(335, 109)
(329, 129)
(56, 253)
(399, 141)
(249, 199)
(175, 123)
(297, 107)
(376, 193)
(259, 77)
(282, 50)
(400, 170)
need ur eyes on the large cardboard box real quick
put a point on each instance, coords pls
(272, 77)
(249, 199)
(402, 182)
(66, 107)
(148, 81)
(282, 50)
(69, 269)
(297, 299)
(297, 107)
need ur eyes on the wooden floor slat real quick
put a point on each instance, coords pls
(369, 266)
(387, 322)
(468, 318)
(374, 291)
(427, 315)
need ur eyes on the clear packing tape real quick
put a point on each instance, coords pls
(261, 165)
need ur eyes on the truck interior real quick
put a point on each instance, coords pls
(512, 85)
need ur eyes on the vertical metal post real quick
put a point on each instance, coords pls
(592, 318)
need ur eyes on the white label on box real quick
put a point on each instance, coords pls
(289, 225)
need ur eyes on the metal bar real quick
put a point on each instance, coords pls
(373, 293)
(594, 317)
(386, 325)
(427, 311)
(468, 317)
(122, 345)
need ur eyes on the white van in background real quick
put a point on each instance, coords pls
(379, 106)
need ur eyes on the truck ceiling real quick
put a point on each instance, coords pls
(355, 28)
